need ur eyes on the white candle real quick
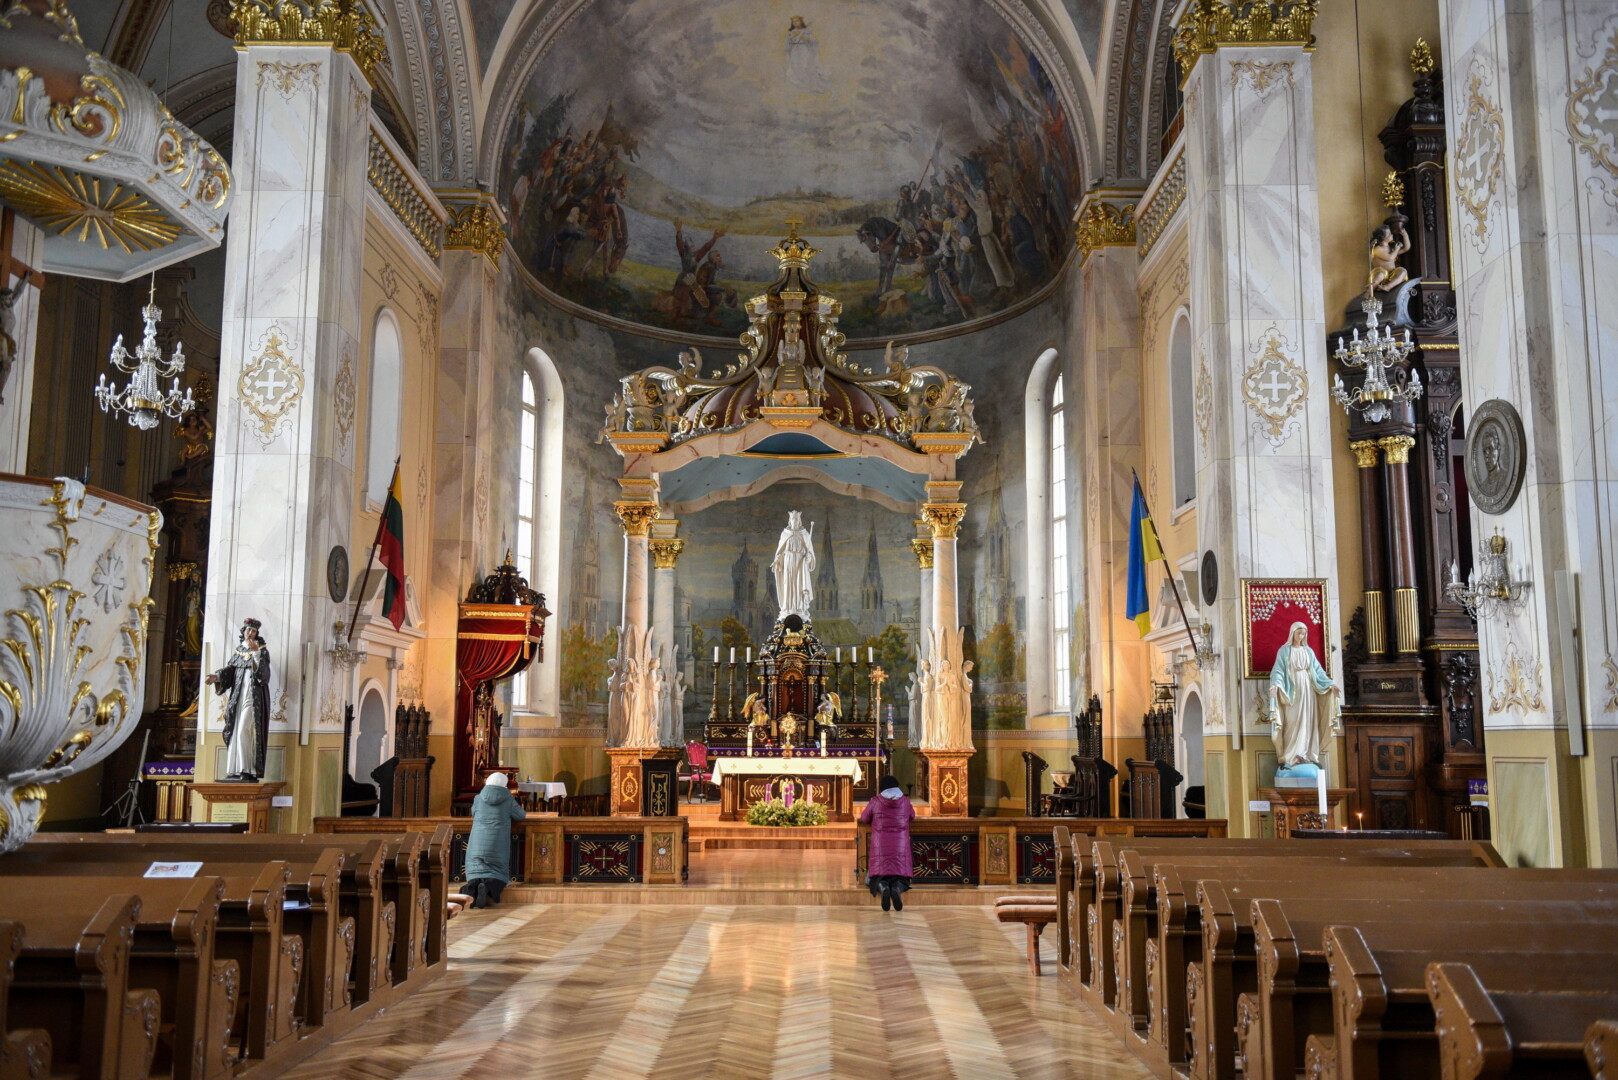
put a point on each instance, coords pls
(870, 654)
(733, 654)
(716, 654)
(750, 654)
(839, 654)
(749, 742)
(1320, 786)
(822, 744)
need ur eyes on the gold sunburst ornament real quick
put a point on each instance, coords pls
(86, 208)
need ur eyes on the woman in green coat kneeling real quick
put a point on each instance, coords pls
(488, 849)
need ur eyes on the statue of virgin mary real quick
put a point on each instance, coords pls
(1303, 701)
(794, 566)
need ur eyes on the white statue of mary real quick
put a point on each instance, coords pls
(794, 566)
(1303, 701)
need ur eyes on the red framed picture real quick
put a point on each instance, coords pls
(1269, 608)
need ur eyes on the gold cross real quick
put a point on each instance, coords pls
(793, 223)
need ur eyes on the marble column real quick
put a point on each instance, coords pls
(923, 547)
(1402, 545)
(946, 702)
(469, 526)
(27, 250)
(1533, 202)
(1107, 393)
(1367, 457)
(1265, 505)
(632, 705)
(283, 479)
(665, 551)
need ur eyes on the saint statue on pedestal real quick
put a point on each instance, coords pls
(1303, 701)
(794, 566)
(246, 678)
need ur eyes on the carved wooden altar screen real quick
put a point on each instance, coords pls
(501, 632)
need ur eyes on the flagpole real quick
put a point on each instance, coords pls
(365, 579)
(1172, 583)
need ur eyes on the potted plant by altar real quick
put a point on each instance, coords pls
(787, 810)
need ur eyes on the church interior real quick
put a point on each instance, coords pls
(498, 582)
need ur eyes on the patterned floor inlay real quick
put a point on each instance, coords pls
(659, 992)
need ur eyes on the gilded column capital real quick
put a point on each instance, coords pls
(1397, 447)
(343, 25)
(1210, 24)
(923, 547)
(475, 225)
(944, 517)
(636, 516)
(1364, 453)
(1104, 224)
(666, 551)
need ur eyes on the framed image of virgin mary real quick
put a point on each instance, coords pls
(1269, 608)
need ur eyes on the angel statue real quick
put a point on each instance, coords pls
(1386, 273)
(828, 712)
(755, 713)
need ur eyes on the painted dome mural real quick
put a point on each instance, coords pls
(661, 145)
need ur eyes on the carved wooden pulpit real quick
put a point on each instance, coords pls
(501, 632)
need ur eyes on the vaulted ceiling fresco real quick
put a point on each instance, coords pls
(661, 145)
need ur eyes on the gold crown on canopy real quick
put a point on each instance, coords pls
(794, 251)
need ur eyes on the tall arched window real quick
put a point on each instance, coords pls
(1182, 412)
(1061, 628)
(539, 511)
(387, 388)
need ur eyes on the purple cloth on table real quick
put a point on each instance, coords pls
(889, 820)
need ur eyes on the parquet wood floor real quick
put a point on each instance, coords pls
(656, 992)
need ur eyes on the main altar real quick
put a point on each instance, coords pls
(792, 407)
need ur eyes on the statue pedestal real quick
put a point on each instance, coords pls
(1299, 807)
(628, 780)
(946, 782)
(239, 802)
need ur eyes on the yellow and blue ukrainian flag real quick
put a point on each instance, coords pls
(1143, 548)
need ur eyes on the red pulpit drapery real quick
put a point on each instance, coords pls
(501, 632)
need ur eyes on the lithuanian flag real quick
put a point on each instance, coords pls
(390, 549)
(1143, 548)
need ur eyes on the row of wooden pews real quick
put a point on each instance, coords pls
(1345, 959)
(278, 945)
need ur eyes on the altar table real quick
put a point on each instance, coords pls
(746, 780)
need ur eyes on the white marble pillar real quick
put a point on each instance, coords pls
(665, 551)
(283, 480)
(946, 705)
(923, 547)
(632, 709)
(27, 248)
(1108, 400)
(1264, 483)
(1533, 209)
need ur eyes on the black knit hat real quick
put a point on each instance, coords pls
(888, 781)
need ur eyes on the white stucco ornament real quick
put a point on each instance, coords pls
(72, 671)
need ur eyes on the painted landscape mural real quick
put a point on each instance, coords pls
(929, 211)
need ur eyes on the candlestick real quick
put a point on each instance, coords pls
(1359, 815)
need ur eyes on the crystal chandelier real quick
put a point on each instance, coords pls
(1491, 587)
(1378, 353)
(142, 399)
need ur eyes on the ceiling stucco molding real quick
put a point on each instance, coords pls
(542, 22)
(435, 53)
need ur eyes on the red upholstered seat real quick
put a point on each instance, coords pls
(696, 770)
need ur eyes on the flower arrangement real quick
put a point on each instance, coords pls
(775, 812)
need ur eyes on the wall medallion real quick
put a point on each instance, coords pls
(1480, 155)
(1275, 388)
(337, 574)
(270, 385)
(1208, 577)
(1496, 456)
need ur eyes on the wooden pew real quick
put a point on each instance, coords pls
(1077, 904)
(1396, 1014)
(1601, 1049)
(1181, 940)
(71, 979)
(1293, 999)
(25, 1053)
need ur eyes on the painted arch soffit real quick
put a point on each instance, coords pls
(640, 150)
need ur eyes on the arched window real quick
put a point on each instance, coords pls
(539, 511)
(1061, 628)
(1182, 412)
(387, 387)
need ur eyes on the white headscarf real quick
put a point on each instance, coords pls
(495, 778)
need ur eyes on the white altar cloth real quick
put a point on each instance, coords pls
(782, 766)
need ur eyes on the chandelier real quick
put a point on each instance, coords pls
(142, 399)
(1491, 587)
(1378, 353)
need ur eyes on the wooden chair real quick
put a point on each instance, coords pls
(697, 770)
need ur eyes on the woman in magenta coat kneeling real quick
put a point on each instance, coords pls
(889, 816)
